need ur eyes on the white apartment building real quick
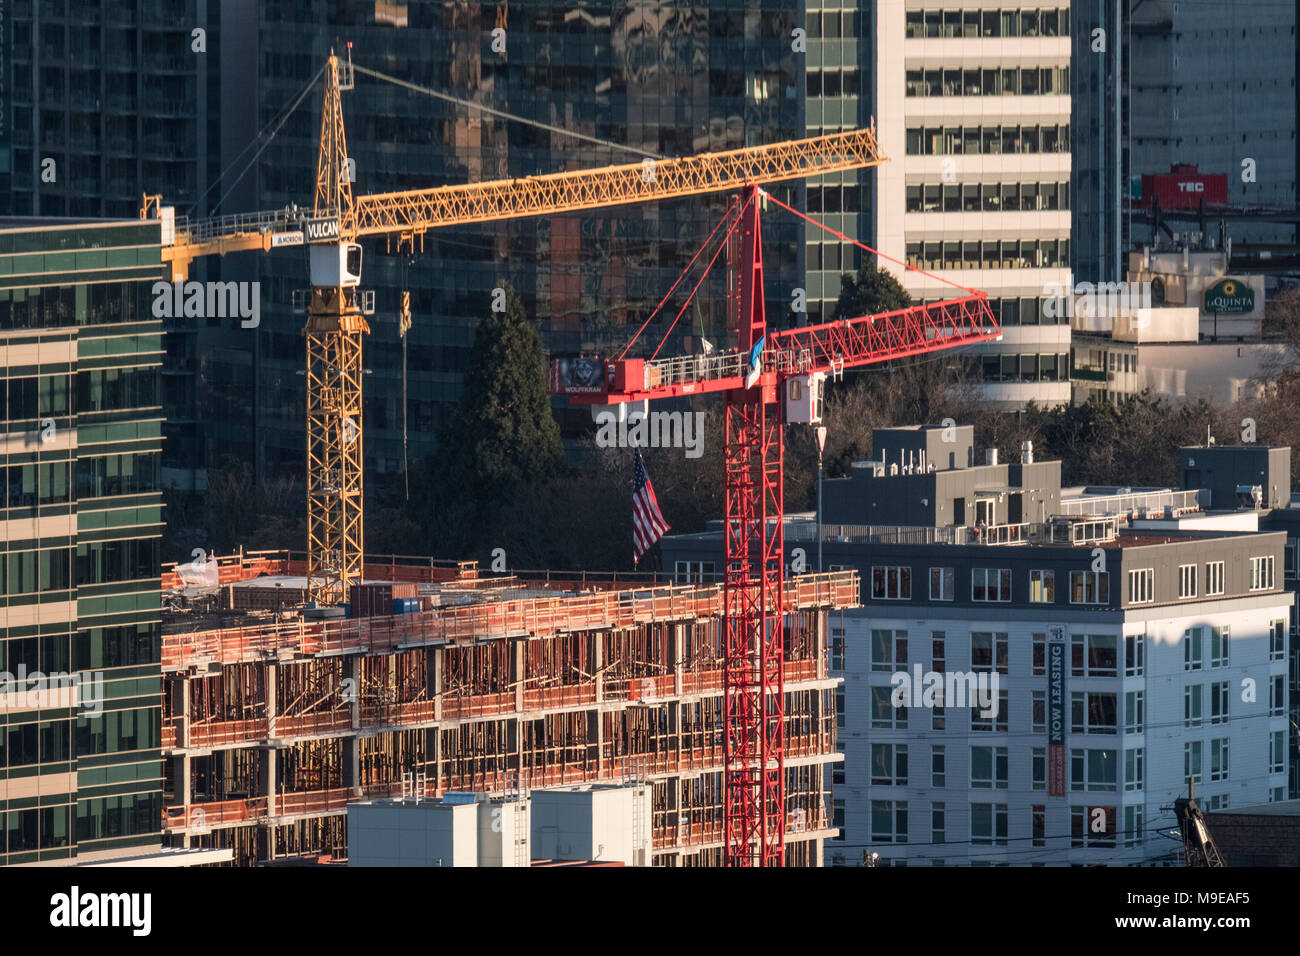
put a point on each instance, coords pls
(972, 104)
(1170, 664)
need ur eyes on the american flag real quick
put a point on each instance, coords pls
(648, 524)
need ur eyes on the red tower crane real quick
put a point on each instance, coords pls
(754, 380)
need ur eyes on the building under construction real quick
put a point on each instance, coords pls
(272, 726)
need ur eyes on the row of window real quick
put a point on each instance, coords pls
(987, 197)
(1090, 768)
(989, 254)
(989, 140)
(72, 305)
(1004, 81)
(990, 585)
(94, 648)
(972, 24)
(1091, 712)
(35, 485)
(97, 390)
(894, 583)
(1091, 655)
(1024, 367)
(1089, 826)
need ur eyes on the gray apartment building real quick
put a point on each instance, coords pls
(1124, 639)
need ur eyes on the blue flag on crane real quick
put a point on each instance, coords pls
(755, 363)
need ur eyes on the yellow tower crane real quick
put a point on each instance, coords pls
(336, 313)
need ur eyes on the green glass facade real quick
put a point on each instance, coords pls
(667, 79)
(80, 522)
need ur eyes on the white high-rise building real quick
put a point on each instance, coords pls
(972, 105)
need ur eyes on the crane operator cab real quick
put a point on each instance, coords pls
(336, 265)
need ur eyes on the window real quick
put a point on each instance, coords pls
(1134, 768)
(1134, 711)
(938, 773)
(990, 584)
(1192, 761)
(889, 765)
(1218, 801)
(1277, 643)
(837, 647)
(941, 584)
(839, 706)
(988, 652)
(1089, 587)
(1039, 824)
(1192, 649)
(1042, 587)
(702, 572)
(938, 718)
(1038, 768)
(888, 650)
(1093, 713)
(1219, 646)
(999, 721)
(1277, 752)
(1134, 648)
(1277, 695)
(888, 821)
(891, 584)
(1039, 645)
(1093, 655)
(1133, 825)
(1214, 577)
(936, 823)
(1219, 759)
(1092, 826)
(884, 715)
(1142, 586)
(1186, 581)
(1261, 573)
(988, 824)
(1192, 705)
(988, 768)
(938, 656)
(1219, 702)
(1039, 698)
(1093, 769)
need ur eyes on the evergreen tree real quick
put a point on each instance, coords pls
(503, 435)
(871, 291)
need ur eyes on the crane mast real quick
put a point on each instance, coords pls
(754, 772)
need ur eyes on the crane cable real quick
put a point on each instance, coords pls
(502, 114)
(863, 245)
(704, 245)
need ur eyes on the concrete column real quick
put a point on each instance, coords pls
(270, 675)
(519, 674)
(182, 702)
(435, 665)
(680, 637)
(599, 661)
(269, 767)
(183, 784)
(352, 672)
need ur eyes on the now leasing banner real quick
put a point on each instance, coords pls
(1056, 716)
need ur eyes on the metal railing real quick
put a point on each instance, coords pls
(1133, 503)
(687, 369)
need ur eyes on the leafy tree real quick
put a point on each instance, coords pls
(871, 291)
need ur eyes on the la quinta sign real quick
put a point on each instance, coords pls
(1230, 296)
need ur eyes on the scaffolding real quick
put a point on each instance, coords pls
(264, 754)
